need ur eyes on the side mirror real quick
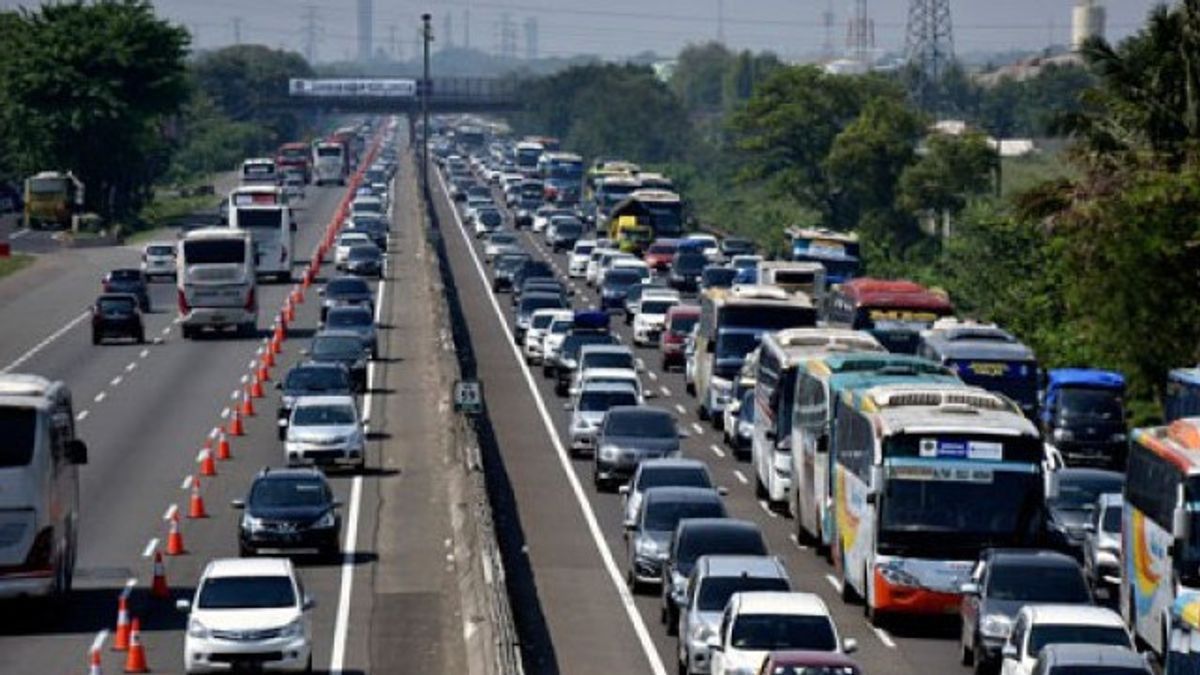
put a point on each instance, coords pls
(238, 504)
(849, 645)
(1009, 651)
(76, 451)
(722, 490)
(309, 603)
(183, 605)
(969, 588)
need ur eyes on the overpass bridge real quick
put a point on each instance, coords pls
(404, 96)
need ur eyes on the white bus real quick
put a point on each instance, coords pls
(216, 281)
(527, 156)
(330, 163)
(260, 171)
(39, 487)
(774, 395)
(1160, 530)
(263, 211)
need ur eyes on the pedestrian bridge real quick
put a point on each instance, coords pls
(377, 95)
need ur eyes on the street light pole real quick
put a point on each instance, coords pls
(427, 34)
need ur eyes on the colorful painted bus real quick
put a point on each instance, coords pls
(894, 311)
(838, 252)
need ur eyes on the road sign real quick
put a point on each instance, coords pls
(468, 397)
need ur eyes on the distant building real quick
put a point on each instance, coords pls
(1027, 69)
(846, 67)
(1087, 21)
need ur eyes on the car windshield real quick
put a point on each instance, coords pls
(490, 217)
(584, 249)
(214, 251)
(353, 238)
(18, 428)
(160, 250)
(715, 591)
(1057, 634)
(540, 321)
(577, 341)
(125, 275)
(510, 262)
(1037, 583)
(1080, 492)
(672, 476)
(502, 238)
(771, 632)
(601, 401)
(316, 380)
(366, 206)
(642, 424)
(337, 347)
(736, 345)
(117, 305)
(528, 304)
(691, 263)
(684, 324)
(560, 326)
(662, 515)
(323, 415)
(657, 306)
(348, 318)
(608, 360)
(246, 593)
(621, 278)
(276, 492)
(344, 287)
(1102, 404)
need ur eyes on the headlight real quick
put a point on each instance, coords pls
(1117, 438)
(608, 452)
(1064, 435)
(995, 626)
(197, 630)
(251, 523)
(702, 633)
(293, 629)
(326, 521)
(647, 547)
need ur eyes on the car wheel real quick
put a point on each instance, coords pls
(967, 655)
(188, 334)
(982, 667)
(690, 387)
(308, 668)
(245, 551)
(95, 338)
(702, 413)
(672, 621)
(141, 337)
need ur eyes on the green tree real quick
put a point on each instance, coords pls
(952, 170)
(743, 74)
(699, 75)
(249, 83)
(89, 87)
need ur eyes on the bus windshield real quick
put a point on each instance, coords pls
(1017, 380)
(667, 219)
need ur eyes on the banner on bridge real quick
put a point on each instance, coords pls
(346, 88)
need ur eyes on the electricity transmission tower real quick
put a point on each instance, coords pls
(928, 46)
(310, 32)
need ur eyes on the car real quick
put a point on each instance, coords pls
(592, 272)
(705, 243)
(128, 281)
(531, 268)
(595, 375)
(716, 276)
(560, 363)
(606, 262)
(1038, 626)
(367, 204)
(487, 219)
(531, 302)
(745, 261)
(757, 623)
(736, 247)
(1073, 659)
(686, 268)
(564, 232)
(659, 254)
(365, 260)
(1001, 583)
(504, 267)
(648, 539)
(552, 341)
(357, 319)
(628, 436)
(158, 260)
(346, 290)
(293, 184)
(500, 241)
(803, 662)
(589, 408)
(325, 431)
(345, 347)
(1071, 509)
(375, 227)
(289, 509)
(714, 580)
(616, 284)
(539, 325)
(309, 378)
(249, 614)
(345, 241)
(117, 315)
(1102, 545)
(698, 537)
(633, 297)
(738, 429)
(680, 321)
(614, 360)
(651, 319)
(580, 252)
(542, 216)
(675, 472)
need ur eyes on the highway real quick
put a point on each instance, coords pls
(146, 410)
(573, 534)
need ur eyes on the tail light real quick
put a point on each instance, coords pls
(251, 301)
(181, 298)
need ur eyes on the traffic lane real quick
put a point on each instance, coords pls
(923, 644)
(576, 608)
(149, 433)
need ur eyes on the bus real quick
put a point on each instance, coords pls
(838, 252)
(774, 389)
(895, 312)
(819, 381)
(1183, 650)
(263, 211)
(216, 284)
(562, 174)
(52, 198)
(986, 356)
(926, 477)
(660, 210)
(1160, 527)
(612, 190)
(330, 163)
(527, 156)
(260, 171)
(803, 277)
(296, 156)
(732, 321)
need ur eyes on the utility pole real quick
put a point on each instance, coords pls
(237, 30)
(928, 46)
(427, 37)
(393, 45)
(366, 22)
(860, 35)
(310, 33)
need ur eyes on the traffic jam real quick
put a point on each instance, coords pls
(942, 476)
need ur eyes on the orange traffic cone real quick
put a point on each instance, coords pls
(196, 503)
(208, 467)
(289, 311)
(223, 448)
(247, 402)
(256, 388)
(121, 634)
(297, 297)
(268, 357)
(175, 538)
(158, 587)
(235, 423)
(94, 662)
(135, 660)
(277, 344)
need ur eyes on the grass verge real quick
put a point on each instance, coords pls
(14, 263)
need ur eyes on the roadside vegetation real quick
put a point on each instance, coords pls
(14, 263)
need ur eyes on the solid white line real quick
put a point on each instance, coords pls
(741, 477)
(99, 640)
(884, 637)
(589, 515)
(81, 416)
(99, 397)
(170, 512)
(115, 381)
(19, 233)
(697, 428)
(150, 546)
(837, 585)
(45, 342)
(717, 450)
(767, 509)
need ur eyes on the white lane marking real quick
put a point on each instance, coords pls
(717, 450)
(837, 585)
(144, 353)
(234, 394)
(697, 428)
(158, 341)
(224, 413)
(129, 368)
(341, 624)
(589, 515)
(101, 636)
(116, 381)
(46, 341)
(130, 584)
(170, 512)
(680, 409)
(741, 477)
(767, 509)
(150, 546)
(216, 431)
(177, 320)
(251, 364)
(99, 397)
(665, 391)
(81, 416)
(166, 331)
(652, 375)
(20, 233)
(245, 378)
(884, 637)
(187, 482)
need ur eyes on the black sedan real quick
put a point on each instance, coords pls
(345, 347)
(289, 509)
(131, 281)
(346, 291)
(117, 315)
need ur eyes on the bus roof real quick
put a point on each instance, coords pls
(899, 293)
(1178, 443)
(794, 345)
(751, 295)
(932, 406)
(210, 233)
(1185, 375)
(561, 157)
(652, 195)
(1092, 378)
(872, 362)
(620, 179)
(954, 339)
(821, 233)
(530, 145)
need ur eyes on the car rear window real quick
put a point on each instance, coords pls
(1037, 583)
(275, 492)
(18, 428)
(317, 380)
(662, 515)
(641, 424)
(247, 593)
(715, 591)
(347, 286)
(675, 476)
(719, 541)
(773, 632)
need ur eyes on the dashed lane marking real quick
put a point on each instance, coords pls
(741, 477)
(170, 512)
(884, 637)
(116, 381)
(187, 482)
(129, 368)
(680, 409)
(716, 449)
(698, 429)
(665, 391)
(99, 397)
(767, 509)
(652, 375)
(150, 546)
(144, 353)
(81, 416)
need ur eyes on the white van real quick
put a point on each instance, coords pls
(39, 487)
(217, 280)
(259, 171)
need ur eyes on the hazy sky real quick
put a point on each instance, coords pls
(614, 28)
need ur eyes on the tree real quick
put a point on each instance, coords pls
(743, 74)
(249, 83)
(952, 170)
(89, 87)
(699, 75)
